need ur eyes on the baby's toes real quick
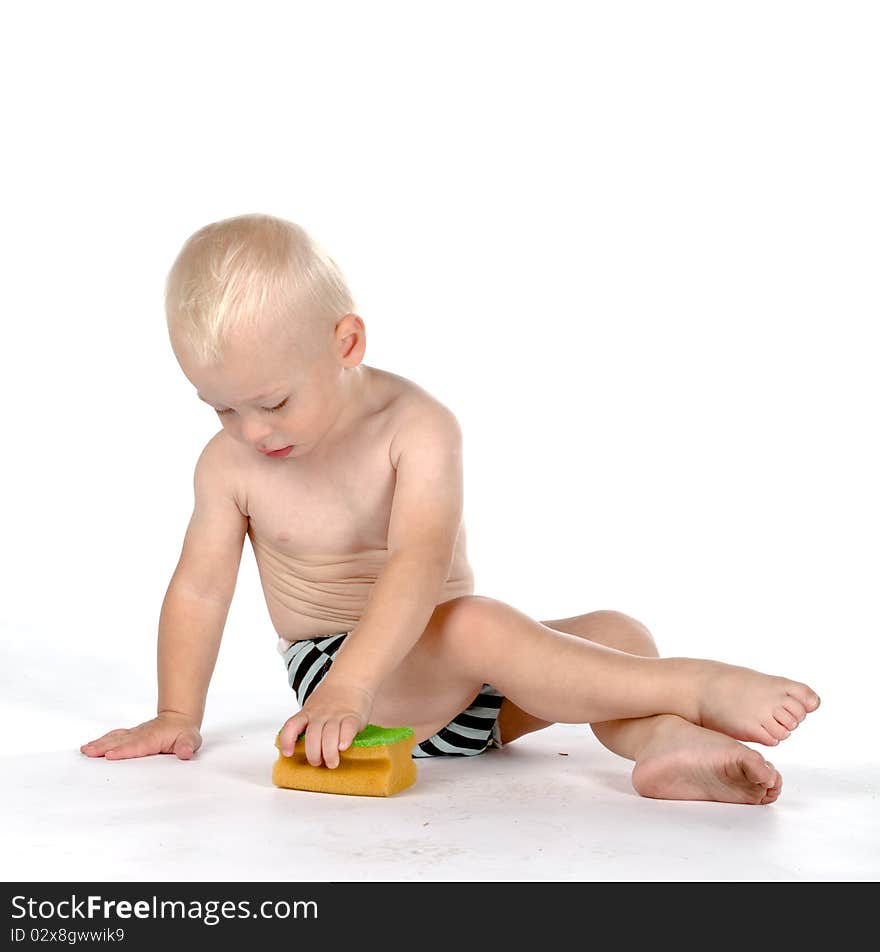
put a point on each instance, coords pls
(775, 788)
(776, 730)
(757, 770)
(805, 695)
(780, 731)
(786, 718)
(795, 708)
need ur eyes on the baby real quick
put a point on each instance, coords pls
(348, 481)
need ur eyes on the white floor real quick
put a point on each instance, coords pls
(523, 813)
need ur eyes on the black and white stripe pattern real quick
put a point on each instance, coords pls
(308, 661)
(469, 733)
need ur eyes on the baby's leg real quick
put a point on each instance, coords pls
(560, 677)
(613, 630)
(675, 760)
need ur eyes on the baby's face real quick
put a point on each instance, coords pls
(274, 394)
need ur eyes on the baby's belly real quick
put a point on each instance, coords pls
(324, 595)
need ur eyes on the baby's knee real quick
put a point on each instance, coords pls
(466, 612)
(465, 626)
(452, 620)
(638, 640)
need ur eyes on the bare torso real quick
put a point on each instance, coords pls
(319, 525)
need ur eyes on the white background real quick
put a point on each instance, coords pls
(633, 246)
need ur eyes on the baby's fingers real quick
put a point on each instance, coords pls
(97, 748)
(348, 730)
(314, 733)
(132, 747)
(291, 730)
(186, 744)
(330, 743)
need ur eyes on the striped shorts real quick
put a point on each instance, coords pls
(471, 732)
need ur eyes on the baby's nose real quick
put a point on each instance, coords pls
(256, 432)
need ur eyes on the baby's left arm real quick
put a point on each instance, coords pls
(426, 516)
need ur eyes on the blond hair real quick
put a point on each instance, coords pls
(240, 272)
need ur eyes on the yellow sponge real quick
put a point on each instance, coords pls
(377, 764)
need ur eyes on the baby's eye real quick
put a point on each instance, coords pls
(267, 409)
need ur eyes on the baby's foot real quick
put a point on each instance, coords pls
(749, 705)
(684, 762)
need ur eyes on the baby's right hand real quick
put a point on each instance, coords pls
(165, 734)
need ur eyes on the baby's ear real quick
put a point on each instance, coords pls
(351, 339)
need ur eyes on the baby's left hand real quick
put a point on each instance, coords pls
(331, 717)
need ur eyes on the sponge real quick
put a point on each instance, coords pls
(377, 764)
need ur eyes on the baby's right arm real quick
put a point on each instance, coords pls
(191, 621)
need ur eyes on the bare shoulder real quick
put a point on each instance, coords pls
(222, 464)
(418, 416)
